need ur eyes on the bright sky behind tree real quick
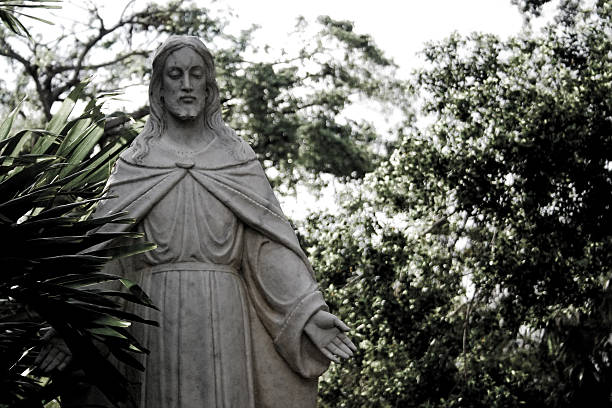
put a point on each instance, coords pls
(399, 28)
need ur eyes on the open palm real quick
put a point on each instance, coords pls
(327, 333)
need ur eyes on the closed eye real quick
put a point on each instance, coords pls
(175, 73)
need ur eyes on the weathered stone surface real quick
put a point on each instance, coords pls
(242, 322)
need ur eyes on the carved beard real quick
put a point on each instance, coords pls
(185, 111)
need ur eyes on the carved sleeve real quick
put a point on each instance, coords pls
(284, 295)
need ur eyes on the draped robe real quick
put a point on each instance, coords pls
(233, 286)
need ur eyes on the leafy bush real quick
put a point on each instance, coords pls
(50, 181)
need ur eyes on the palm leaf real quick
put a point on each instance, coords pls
(7, 123)
(8, 12)
(52, 262)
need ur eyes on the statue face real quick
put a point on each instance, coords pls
(184, 84)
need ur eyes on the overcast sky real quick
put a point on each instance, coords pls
(399, 27)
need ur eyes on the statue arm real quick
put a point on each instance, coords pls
(284, 296)
(291, 307)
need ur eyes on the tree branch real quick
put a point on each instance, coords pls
(55, 94)
(129, 3)
(49, 88)
(64, 68)
(7, 51)
(466, 328)
(103, 32)
(79, 66)
(32, 70)
(94, 11)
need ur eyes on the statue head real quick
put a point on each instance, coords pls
(174, 43)
(156, 124)
(183, 91)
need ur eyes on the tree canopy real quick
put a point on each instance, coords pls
(474, 264)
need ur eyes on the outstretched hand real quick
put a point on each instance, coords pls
(55, 355)
(327, 333)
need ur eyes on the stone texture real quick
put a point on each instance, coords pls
(242, 322)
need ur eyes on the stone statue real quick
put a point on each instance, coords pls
(242, 322)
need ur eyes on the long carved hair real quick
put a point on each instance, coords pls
(156, 124)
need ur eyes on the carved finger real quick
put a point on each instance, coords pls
(330, 335)
(41, 356)
(49, 334)
(64, 363)
(329, 355)
(337, 351)
(340, 324)
(53, 364)
(344, 338)
(59, 359)
(63, 347)
(338, 343)
(49, 359)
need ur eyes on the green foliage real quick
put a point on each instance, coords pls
(50, 180)
(399, 305)
(474, 265)
(9, 10)
(291, 111)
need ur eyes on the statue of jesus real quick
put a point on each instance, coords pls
(242, 321)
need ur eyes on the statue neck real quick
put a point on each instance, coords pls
(187, 133)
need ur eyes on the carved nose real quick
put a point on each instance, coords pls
(186, 83)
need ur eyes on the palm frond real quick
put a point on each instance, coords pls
(52, 262)
(9, 12)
